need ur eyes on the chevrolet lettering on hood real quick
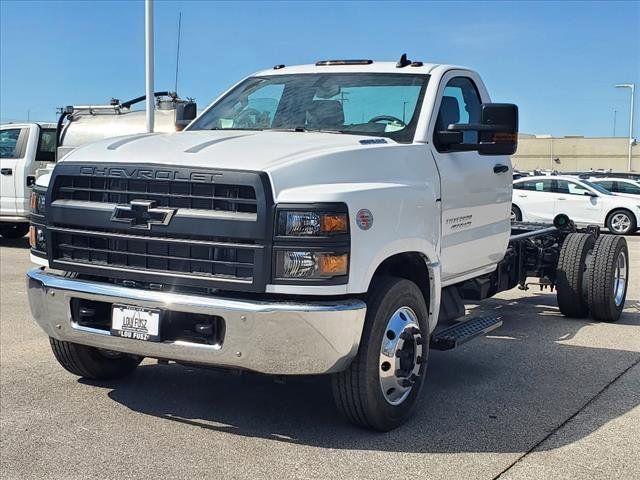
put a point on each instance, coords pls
(149, 174)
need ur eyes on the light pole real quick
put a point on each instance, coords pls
(148, 62)
(632, 87)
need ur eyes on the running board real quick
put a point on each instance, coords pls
(462, 332)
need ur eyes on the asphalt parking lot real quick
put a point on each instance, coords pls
(541, 397)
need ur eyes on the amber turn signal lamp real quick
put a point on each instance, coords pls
(32, 236)
(334, 223)
(333, 264)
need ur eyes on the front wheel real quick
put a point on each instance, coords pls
(93, 363)
(382, 385)
(621, 222)
(13, 230)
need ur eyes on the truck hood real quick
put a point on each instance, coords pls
(235, 149)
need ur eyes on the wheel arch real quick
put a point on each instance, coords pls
(418, 268)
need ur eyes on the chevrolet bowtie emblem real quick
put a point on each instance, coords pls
(142, 214)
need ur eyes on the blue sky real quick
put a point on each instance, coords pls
(557, 61)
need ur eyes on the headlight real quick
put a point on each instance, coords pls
(312, 223)
(312, 265)
(38, 199)
(37, 238)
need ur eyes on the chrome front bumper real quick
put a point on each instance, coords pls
(281, 338)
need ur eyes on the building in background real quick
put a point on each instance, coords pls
(573, 153)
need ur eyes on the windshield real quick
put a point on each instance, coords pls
(597, 187)
(378, 104)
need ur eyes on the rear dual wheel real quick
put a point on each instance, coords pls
(571, 278)
(608, 278)
(592, 276)
(382, 385)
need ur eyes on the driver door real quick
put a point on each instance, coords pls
(475, 195)
(12, 151)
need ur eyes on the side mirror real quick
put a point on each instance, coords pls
(502, 138)
(185, 113)
(590, 194)
(497, 130)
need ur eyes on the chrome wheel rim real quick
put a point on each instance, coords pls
(400, 356)
(620, 223)
(513, 216)
(620, 279)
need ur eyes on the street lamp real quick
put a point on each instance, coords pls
(148, 63)
(632, 87)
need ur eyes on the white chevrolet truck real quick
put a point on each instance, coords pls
(320, 219)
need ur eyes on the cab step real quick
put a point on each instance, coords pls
(464, 331)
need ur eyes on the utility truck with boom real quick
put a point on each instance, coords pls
(319, 219)
(28, 150)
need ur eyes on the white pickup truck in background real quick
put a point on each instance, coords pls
(24, 147)
(318, 219)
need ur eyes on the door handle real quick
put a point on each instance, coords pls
(6, 171)
(522, 196)
(499, 168)
(561, 198)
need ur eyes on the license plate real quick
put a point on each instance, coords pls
(136, 323)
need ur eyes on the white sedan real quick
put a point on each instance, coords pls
(540, 199)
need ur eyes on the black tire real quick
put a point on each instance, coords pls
(357, 391)
(631, 222)
(13, 230)
(605, 301)
(93, 363)
(572, 265)
(516, 214)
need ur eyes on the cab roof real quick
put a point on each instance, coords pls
(27, 124)
(373, 67)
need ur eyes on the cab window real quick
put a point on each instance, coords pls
(46, 145)
(10, 145)
(460, 104)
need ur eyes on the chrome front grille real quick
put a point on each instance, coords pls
(227, 261)
(178, 194)
(216, 231)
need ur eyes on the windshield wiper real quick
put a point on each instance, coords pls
(305, 129)
(246, 129)
(293, 129)
(325, 130)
